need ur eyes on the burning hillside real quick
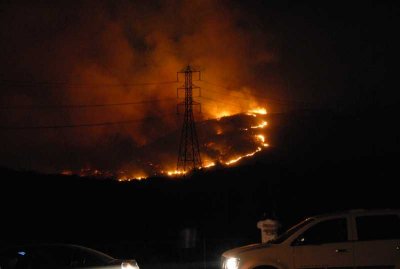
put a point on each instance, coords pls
(93, 88)
(224, 140)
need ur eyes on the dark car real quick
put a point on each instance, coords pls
(59, 256)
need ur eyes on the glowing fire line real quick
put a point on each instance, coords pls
(244, 156)
(211, 164)
(259, 110)
(176, 173)
(261, 125)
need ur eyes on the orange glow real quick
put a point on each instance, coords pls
(259, 110)
(123, 175)
(67, 173)
(261, 125)
(241, 157)
(134, 83)
(156, 167)
(233, 161)
(261, 138)
(124, 179)
(176, 173)
(134, 177)
(223, 114)
(209, 164)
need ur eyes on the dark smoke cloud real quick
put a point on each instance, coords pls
(90, 51)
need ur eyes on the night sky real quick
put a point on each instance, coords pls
(337, 55)
(333, 54)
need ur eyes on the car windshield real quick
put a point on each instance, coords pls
(290, 232)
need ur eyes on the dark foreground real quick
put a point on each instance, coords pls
(316, 165)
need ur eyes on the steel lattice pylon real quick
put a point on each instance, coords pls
(189, 152)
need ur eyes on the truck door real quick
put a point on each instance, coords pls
(378, 244)
(324, 245)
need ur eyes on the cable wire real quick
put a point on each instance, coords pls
(40, 127)
(78, 85)
(78, 106)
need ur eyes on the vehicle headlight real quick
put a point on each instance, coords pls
(232, 263)
(129, 265)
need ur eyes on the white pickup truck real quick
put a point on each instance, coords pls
(363, 239)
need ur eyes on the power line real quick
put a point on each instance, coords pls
(78, 85)
(83, 125)
(78, 106)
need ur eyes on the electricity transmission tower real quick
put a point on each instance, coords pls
(189, 152)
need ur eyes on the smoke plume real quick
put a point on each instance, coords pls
(60, 59)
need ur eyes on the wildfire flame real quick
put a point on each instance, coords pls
(128, 89)
(223, 114)
(241, 157)
(209, 164)
(176, 173)
(259, 137)
(261, 125)
(123, 179)
(132, 177)
(258, 110)
(259, 140)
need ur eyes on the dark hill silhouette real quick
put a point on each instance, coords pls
(318, 162)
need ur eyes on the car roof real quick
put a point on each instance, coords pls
(356, 212)
(39, 245)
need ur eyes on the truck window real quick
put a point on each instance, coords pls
(290, 232)
(380, 227)
(329, 231)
